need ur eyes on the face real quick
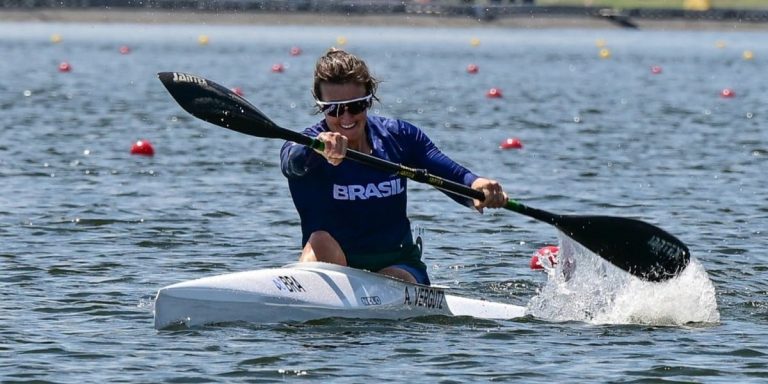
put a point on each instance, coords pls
(350, 125)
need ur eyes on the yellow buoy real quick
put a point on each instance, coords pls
(203, 40)
(748, 55)
(605, 53)
(341, 40)
(55, 38)
(474, 42)
(696, 5)
(720, 44)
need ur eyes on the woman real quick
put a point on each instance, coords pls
(352, 214)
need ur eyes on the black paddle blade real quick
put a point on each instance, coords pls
(637, 247)
(219, 105)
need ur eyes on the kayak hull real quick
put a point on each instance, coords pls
(309, 291)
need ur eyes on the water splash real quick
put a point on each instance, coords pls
(584, 287)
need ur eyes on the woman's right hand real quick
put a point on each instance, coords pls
(335, 147)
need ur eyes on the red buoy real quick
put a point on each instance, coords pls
(64, 67)
(511, 143)
(494, 93)
(143, 148)
(549, 253)
(295, 51)
(727, 93)
(472, 68)
(124, 49)
(655, 69)
(238, 91)
(277, 68)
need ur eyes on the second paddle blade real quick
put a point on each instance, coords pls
(637, 247)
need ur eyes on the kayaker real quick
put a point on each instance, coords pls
(352, 214)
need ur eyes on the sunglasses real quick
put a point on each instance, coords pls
(337, 108)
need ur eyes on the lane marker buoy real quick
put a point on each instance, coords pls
(549, 253)
(511, 143)
(494, 93)
(65, 67)
(142, 148)
(727, 93)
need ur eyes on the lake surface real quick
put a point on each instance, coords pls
(90, 232)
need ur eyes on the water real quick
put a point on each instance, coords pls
(89, 232)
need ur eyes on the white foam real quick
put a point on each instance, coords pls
(584, 287)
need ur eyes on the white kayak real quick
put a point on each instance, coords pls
(309, 291)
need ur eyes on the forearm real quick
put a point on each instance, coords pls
(297, 160)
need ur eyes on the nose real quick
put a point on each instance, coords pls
(342, 110)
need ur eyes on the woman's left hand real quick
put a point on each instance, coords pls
(494, 194)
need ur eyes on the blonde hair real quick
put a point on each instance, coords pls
(339, 67)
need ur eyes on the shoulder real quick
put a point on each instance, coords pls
(396, 128)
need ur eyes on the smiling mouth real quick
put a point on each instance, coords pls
(347, 126)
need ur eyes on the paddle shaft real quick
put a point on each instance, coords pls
(421, 176)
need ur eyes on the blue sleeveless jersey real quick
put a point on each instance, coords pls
(363, 208)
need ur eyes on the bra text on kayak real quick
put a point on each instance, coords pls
(288, 283)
